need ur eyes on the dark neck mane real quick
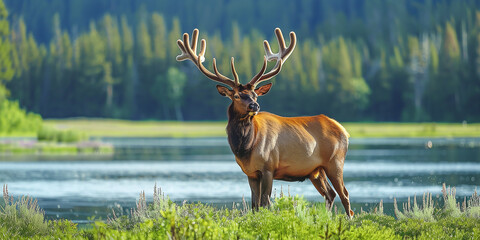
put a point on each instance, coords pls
(241, 133)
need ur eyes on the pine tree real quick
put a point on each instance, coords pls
(450, 48)
(91, 73)
(176, 84)
(6, 69)
(144, 44)
(37, 55)
(109, 81)
(419, 71)
(114, 45)
(129, 78)
(244, 64)
(443, 92)
(144, 56)
(174, 34)
(26, 85)
(159, 35)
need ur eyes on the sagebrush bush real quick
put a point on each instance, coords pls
(424, 212)
(22, 216)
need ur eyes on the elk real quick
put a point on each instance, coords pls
(267, 146)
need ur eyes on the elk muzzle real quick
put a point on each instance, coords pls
(253, 108)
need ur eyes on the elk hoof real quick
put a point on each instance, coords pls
(351, 214)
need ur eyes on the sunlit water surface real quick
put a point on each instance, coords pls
(205, 170)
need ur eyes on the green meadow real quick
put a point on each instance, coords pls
(125, 128)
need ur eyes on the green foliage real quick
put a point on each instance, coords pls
(7, 70)
(50, 134)
(344, 81)
(424, 212)
(48, 148)
(347, 64)
(14, 120)
(450, 207)
(23, 219)
(22, 216)
(287, 218)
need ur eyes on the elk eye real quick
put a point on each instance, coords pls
(236, 96)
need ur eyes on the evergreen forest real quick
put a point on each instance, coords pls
(355, 60)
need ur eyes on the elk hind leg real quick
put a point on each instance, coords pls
(319, 180)
(335, 174)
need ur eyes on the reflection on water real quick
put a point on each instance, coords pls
(205, 170)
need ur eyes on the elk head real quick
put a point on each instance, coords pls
(243, 96)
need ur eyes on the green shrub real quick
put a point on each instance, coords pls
(450, 205)
(292, 217)
(424, 212)
(22, 216)
(13, 119)
(23, 219)
(287, 218)
(58, 149)
(50, 134)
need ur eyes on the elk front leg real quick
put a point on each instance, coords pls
(255, 188)
(266, 188)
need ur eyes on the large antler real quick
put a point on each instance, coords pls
(189, 53)
(281, 57)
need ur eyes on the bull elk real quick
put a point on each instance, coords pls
(267, 146)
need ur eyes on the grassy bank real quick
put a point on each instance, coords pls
(8, 147)
(288, 218)
(367, 130)
(122, 128)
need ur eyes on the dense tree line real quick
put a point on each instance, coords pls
(13, 119)
(355, 60)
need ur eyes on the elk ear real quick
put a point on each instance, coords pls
(224, 91)
(263, 89)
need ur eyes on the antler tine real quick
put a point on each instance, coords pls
(280, 39)
(191, 53)
(215, 69)
(194, 40)
(235, 75)
(189, 49)
(281, 56)
(203, 48)
(268, 51)
(272, 73)
(217, 76)
(262, 71)
(182, 56)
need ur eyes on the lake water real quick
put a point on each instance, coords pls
(204, 170)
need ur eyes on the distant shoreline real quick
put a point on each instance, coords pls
(198, 129)
(97, 128)
(34, 147)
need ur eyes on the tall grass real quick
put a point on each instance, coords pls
(288, 218)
